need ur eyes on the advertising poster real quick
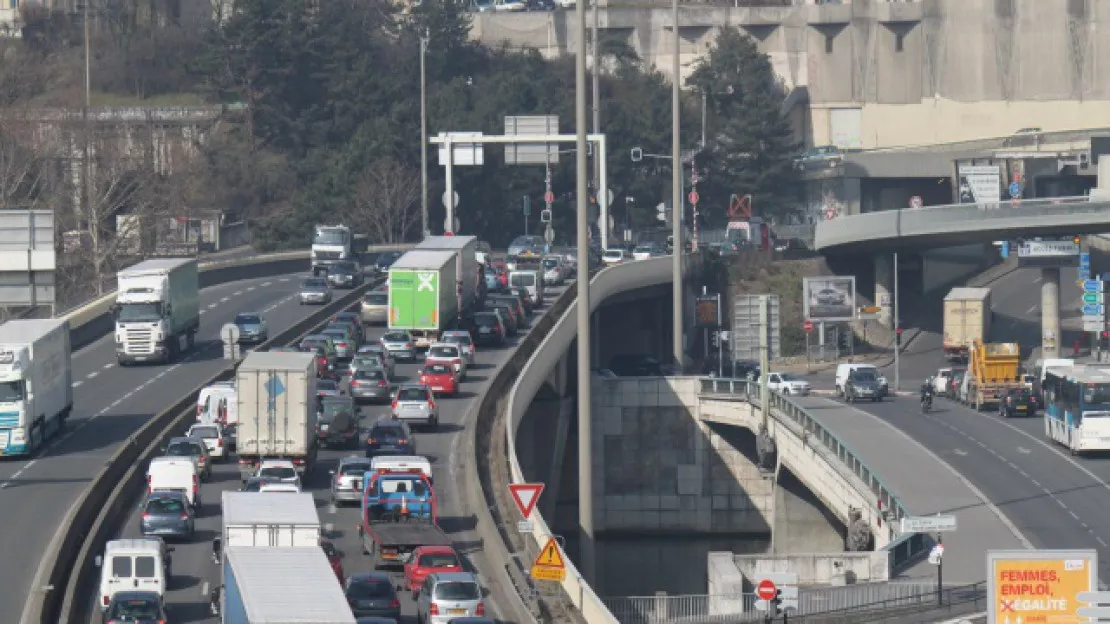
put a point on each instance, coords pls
(829, 299)
(1039, 585)
(980, 184)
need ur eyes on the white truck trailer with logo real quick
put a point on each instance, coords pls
(265, 585)
(36, 383)
(471, 281)
(157, 310)
(277, 410)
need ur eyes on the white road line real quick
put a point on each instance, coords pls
(224, 300)
(1073, 515)
(1100, 540)
(204, 589)
(1023, 450)
(75, 384)
(92, 374)
(212, 306)
(267, 284)
(106, 366)
(1031, 309)
(250, 288)
(237, 293)
(18, 473)
(960, 452)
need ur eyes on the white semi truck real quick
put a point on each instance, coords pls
(331, 244)
(36, 383)
(277, 410)
(157, 310)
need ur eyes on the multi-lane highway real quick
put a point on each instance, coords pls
(1053, 499)
(110, 403)
(194, 573)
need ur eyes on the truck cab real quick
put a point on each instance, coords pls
(157, 310)
(398, 495)
(331, 244)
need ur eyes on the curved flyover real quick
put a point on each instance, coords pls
(961, 224)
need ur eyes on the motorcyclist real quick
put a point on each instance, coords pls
(927, 390)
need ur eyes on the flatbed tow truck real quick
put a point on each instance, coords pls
(399, 514)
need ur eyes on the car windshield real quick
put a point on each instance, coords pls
(614, 254)
(439, 560)
(134, 611)
(248, 319)
(789, 377)
(395, 337)
(444, 352)
(369, 374)
(864, 376)
(387, 258)
(387, 430)
(314, 284)
(337, 335)
(485, 320)
(164, 506)
(312, 343)
(523, 280)
(333, 408)
(436, 369)
(644, 248)
(278, 472)
(368, 589)
(412, 394)
(183, 449)
(459, 339)
(325, 385)
(343, 267)
(354, 468)
(458, 591)
(204, 433)
(254, 485)
(377, 299)
(550, 263)
(366, 361)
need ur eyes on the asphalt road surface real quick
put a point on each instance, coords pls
(110, 403)
(194, 573)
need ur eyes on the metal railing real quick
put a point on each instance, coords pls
(902, 549)
(826, 602)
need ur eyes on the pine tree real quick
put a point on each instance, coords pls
(751, 147)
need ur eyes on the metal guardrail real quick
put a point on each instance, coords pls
(903, 548)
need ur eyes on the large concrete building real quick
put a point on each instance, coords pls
(869, 74)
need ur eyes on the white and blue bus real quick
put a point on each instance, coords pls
(1077, 407)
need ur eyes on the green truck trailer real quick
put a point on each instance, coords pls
(423, 297)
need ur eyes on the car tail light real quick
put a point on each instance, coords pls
(1009, 400)
(423, 379)
(219, 442)
(431, 404)
(298, 462)
(433, 609)
(105, 600)
(341, 344)
(184, 516)
(382, 384)
(403, 441)
(394, 604)
(394, 406)
(355, 383)
(146, 516)
(481, 610)
(371, 441)
(196, 484)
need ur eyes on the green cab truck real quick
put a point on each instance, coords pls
(423, 294)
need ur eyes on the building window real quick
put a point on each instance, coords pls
(899, 42)
(828, 44)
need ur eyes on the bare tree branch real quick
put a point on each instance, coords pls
(386, 195)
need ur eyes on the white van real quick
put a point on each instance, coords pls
(529, 281)
(174, 474)
(218, 403)
(844, 370)
(403, 463)
(132, 565)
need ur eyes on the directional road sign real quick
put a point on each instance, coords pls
(929, 524)
(1084, 274)
(1093, 310)
(1093, 324)
(525, 495)
(1092, 285)
(1085, 259)
(1092, 298)
(1015, 190)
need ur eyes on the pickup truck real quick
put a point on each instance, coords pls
(399, 515)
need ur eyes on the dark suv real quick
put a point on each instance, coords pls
(337, 422)
(863, 385)
(1017, 402)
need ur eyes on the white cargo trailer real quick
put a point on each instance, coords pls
(36, 383)
(276, 392)
(284, 519)
(266, 585)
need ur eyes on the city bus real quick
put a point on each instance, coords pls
(1077, 408)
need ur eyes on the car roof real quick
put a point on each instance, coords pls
(412, 386)
(369, 576)
(276, 462)
(437, 550)
(354, 459)
(455, 577)
(391, 423)
(248, 314)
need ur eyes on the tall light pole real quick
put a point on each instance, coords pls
(676, 192)
(423, 134)
(86, 187)
(585, 426)
(595, 91)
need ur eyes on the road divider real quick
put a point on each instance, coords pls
(66, 574)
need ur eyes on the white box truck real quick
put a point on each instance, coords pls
(967, 319)
(36, 383)
(467, 272)
(276, 392)
(157, 310)
(282, 519)
(263, 585)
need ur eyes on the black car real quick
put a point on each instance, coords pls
(337, 424)
(1017, 402)
(135, 607)
(390, 437)
(372, 593)
(863, 385)
(345, 275)
(745, 369)
(632, 365)
(386, 260)
(488, 329)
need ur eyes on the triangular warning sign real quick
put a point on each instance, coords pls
(550, 557)
(526, 495)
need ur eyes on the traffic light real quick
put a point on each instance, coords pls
(842, 340)
(1075, 239)
(776, 603)
(898, 336)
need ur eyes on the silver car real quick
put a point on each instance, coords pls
(375, 308)
(315, 290)
(379, 349)
(346, 480)
(399, 344)
(414, 403)
(367, 361)
(370, 384)
(454, 594)
(344, 345)
(462, 338)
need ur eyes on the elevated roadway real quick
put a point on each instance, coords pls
(960, 224)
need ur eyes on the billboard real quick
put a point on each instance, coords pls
(980, 184)
(1038, 585)
(745, 328)
(829, 299)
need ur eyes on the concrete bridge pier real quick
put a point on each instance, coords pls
(565, 410)
(800, 522)
(1050, 313)
(884, 286)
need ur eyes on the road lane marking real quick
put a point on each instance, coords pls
(212, 306)
(1023, 450)
(107, 366)
(75, 384)
(237, 293)
(224, 300)
(92, 374)
(1031, 309)
(267, 284)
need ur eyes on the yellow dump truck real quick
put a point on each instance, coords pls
(992, 370)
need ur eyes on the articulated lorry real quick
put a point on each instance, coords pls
(967, 319)
(993, 369)
(276, 392)
(263, 585)
(422, 294)
(157, 310)
(335, 243)
(471, 280)
(36, 383)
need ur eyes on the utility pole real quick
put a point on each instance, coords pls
(676, 193)
(86, 186)
(764, 359)
(423, 134)
(585, 425)
(897, 330)
(596, 94)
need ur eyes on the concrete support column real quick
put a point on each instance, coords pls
(884, 283)
(1050, 313)
(549, 503)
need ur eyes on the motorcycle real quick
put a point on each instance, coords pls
(926, 403)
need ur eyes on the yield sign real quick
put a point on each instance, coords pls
(526, 495)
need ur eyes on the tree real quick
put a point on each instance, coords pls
(751, 144)
(386, 199)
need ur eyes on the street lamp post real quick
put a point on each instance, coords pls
(676, 194)
(424, 135)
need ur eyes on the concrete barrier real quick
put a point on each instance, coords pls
(66, 574)
(92, 321)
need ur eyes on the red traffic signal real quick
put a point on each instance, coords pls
(1105, 335)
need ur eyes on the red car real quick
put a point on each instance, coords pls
(427, 560)
(334, 558)
(440, 378)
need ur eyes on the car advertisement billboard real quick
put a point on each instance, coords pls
(829, 299)
(1039, 585)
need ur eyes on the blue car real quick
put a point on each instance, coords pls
(390, 437)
